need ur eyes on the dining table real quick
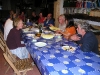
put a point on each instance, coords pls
(52, 59)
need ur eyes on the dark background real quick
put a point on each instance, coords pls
(28, 6)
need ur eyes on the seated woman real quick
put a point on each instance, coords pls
(70, 28)
(41, 18)
(14, 40)
(22, 16)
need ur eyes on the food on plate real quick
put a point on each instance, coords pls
(69, 48)
(54, 28)
(65, 47)
(47, 36)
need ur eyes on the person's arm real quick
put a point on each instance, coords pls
(75, 37)
(68, 32)
(45, 24)
(52, 22)
(44, 19)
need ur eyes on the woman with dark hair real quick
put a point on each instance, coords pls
(8, 25)
(70, 28)
(22, 16)
(41, 18)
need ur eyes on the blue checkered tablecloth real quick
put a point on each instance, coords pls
(53, 60)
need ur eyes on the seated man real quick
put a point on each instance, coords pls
(49, 20)
(34, 18)
(87, 41)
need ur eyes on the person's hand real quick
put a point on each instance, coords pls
(45, 18)
(50, 25)
(80, 44)
(59, 31)
(75, 37)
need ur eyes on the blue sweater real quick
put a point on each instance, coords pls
(51, 21)
(89, 42)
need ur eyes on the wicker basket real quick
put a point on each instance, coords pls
(95, 13)
(96, 27)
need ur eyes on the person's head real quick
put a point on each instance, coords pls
(61, 19)
(82, 28)
(13, 16)
(40, 14)
(69, 21)
(11, 12)
(49, 16)
(22, 13)
(33, 13)
(18, 23)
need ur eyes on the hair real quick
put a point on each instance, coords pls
(42, 13)
(16, 21)
(63, 16)
(21, 12)
(84, 25)
(12, 15)
(70, 20)
(12, 11)
(34, 12)
(50, 14)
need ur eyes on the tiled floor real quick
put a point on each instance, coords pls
(3, 68)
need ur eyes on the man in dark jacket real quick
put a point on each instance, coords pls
(49, 20)
(87, 41)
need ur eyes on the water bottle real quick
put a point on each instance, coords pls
(40, 28)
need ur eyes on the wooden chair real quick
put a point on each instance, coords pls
(6, 50)
(3, 46)
(2, 41)
(1, 33)
(20, 66)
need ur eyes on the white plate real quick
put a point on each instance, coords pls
(36, 30)
(31, 35)
(34, 40)
(25, 30)
(47, 32)
(40, 44)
